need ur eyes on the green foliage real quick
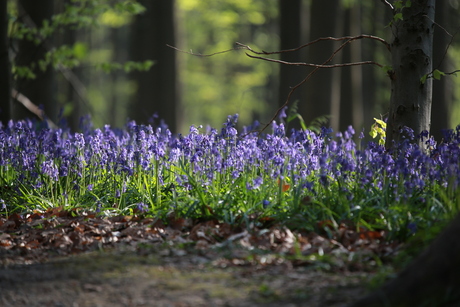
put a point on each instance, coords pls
(315, 125)
(435, 74)
(379, 129)
(398, 10)
(78, 14)
(126, 67)
(293, 114)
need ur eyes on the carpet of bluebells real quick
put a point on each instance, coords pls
(293, 177)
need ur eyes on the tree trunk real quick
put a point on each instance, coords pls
(443, 97)
(323, 89)
(411, 52)
(41, 89)
(5, 80)
(157, 92)
(432, 279)
(290, 37)
(351, 104)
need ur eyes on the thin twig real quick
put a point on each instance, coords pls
(329, 38)
(348, 40)
(315, 65)
(389, 4)
(304, 81)
(205, 55)
(452, 36)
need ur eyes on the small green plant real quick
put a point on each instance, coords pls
(315, 124)
(379, 129)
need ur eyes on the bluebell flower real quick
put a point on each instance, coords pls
(141, 207)
(412, 227)
(265, 203)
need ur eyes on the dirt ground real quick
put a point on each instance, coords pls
(63, 259)
(126, 278)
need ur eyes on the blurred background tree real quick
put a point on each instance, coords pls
(102, 52)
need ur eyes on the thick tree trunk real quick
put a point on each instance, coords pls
(40, 90)
(5, 81)
(157, 91)
(432, 279)
(411, 52)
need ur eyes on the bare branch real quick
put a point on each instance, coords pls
(316, 68)
(452, 72)
(349, 38)
(315, 65)
(32, 107)
(389, 4)
(205, 55)
(452, 36)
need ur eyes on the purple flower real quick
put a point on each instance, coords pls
(141, 207)
(265, 203)
(412, 227)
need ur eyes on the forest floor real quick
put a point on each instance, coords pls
(126, 279)
(62, 260)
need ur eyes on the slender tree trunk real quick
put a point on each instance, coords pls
(356, 71)
(156, 89)
(290, 37)
(351, 105)
(442, 89)
(375, 84)
(71, 93)
(323, 89)
(5, 79)
(411, 52)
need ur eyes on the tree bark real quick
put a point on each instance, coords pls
(443, 96)
(5, 79)
(432, 279)
(323, 89)
(41, 89)
(411, 52)
(290, 37)
(351, 104)
(157, 92)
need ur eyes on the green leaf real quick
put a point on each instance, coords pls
(408, 3)
(398, 16)
(373, 133)
(387, 68)
(437, 74)
(381, 123)
(397, 4)
(80, 50)
(423, 79)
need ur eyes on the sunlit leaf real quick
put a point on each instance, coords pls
(437, 74)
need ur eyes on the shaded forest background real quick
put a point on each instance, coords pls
(183, 89)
